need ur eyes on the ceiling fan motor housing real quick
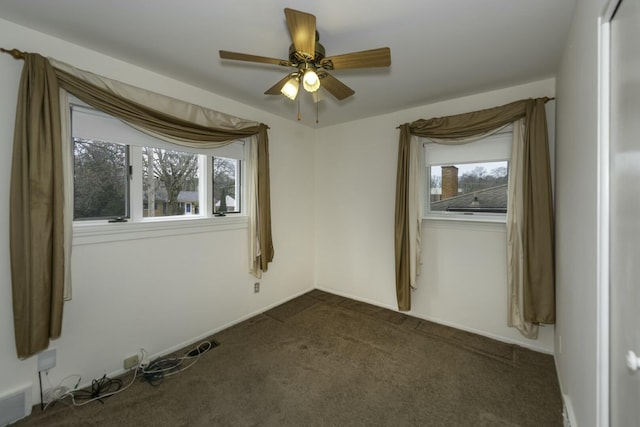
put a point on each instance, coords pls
(298, 59)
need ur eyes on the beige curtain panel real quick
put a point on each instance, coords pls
(403, 222)
(37, 195)
(36, 203)
(537, 216)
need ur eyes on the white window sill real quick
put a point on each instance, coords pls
(497, 219)
(101, 232)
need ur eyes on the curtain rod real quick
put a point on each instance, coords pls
(17, 54)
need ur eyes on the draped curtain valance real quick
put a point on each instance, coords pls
(470, 124)
(149, 118)
(37, 195)
(536, 217)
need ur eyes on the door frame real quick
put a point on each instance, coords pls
(603, 340)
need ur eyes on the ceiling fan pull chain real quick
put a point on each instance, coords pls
(298, 108)
(317, 113)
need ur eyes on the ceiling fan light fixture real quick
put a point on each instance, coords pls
(307, 57)
(311, 81)
(290, 88)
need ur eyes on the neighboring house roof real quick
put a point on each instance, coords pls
(489, 198)
(188, 197)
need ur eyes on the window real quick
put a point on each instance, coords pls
(226, 185)
(101, 179)
(169, 182)
(468, 180)
(122, 174)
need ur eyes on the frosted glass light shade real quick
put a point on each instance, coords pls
(290, 89)
(310, 81)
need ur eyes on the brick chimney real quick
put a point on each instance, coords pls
(449, 182)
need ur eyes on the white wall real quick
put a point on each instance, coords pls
(464, 271)
(161, 292)
(576, 215)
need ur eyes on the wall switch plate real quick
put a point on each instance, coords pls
(47, 360)
(256, 287)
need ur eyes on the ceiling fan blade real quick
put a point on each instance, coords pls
(335, 86)
(225, 54)
(302, 27)
(380, 57)
(276, 88)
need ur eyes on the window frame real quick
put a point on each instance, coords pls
(239, 186)
(125, 181)
(136, 225)
(498, 150)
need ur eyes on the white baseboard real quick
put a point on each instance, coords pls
(198, 339)
(442, 322)
(568, 416)
(500, 338)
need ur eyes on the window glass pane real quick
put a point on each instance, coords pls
(122, 172)
(226, 185)
(170, 182)
(100, 179)
(469, 187)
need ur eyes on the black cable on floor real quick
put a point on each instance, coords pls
(99, 387)
(157, 370)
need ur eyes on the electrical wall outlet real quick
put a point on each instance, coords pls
(131, 362)
(256, 287)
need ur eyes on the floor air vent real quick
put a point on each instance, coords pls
(15, 405)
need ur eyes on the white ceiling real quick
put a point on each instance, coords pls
(440, 49)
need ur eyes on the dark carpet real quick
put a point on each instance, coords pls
(325, 360)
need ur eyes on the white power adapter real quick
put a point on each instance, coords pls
(144, 358)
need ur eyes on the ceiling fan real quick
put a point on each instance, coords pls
(307, 55)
